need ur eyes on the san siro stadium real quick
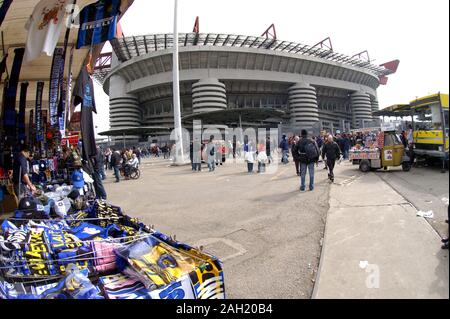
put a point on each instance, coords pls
(242, 81)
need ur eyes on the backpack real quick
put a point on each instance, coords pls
(312, 153)
(212, 152)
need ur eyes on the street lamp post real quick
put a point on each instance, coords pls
(179, 156)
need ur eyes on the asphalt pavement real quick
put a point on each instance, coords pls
(266, 232)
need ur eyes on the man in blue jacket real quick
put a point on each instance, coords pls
(284, 146)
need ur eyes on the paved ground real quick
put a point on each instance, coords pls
(267, 233)
(427, 189)
(375, 245)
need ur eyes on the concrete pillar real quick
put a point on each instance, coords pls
(208, 95)
(362, 109)
(124, 109)
(303, 106)
(375, 107)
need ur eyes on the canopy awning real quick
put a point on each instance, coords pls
(136, 131)
(397, 110)
(235, 116)
(15, 36)
(402, 110)
(430, 100)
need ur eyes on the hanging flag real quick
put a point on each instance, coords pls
(39, 115)
(63, 88)
(10, 115)
(44, 28)
(45, 127)
(31, 129)
(98, 22)
(3, 66)
(57, 64)
(197, 25)
(62, 116)
(119, 31)
(5, 84)
(22, 109)
(69, 87)
(84, 94)
(4, 6)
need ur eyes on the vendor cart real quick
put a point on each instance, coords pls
(388, 152)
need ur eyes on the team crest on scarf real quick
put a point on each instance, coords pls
(49, 15)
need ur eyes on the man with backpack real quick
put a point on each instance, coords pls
(309, 157)
(331, 152)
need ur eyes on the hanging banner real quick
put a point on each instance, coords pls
(69, 109)
(3, 66)
(62, 117)
(3, 105)
(57, 64)
(22, 109)
(31, 128)
(4, 6)
(98, 23)
(39, 117)
(10, 115)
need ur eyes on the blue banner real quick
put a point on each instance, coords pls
(38, 111)
(58, 61)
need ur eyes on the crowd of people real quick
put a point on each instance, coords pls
(305, 150)
(215, 153)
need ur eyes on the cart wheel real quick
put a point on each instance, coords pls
(364, 166)
(406, 166)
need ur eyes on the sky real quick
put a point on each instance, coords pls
(414, 31)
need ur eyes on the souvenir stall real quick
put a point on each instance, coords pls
(61, 241)
(62, 246)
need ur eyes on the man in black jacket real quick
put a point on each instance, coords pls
(309, 157)
(115, 163)
(98, 173)
(296, 155)
(331, 152)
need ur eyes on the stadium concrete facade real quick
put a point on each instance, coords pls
(314, 86)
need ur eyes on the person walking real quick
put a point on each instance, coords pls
(309, 157)
(115, 163)
(331, 152)
(99, 164)
(218, 154)
(446, 240)
(191, 155)
(137, 151)
(296, 154)
(98, 174)
(211, 153)
(262, 158)
(268, 150)
(250, 156)
(107, 157)
(230, 149)
(284, 146)
(197, 156)
(347, 145)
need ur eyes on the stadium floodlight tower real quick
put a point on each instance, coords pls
(179, 154)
